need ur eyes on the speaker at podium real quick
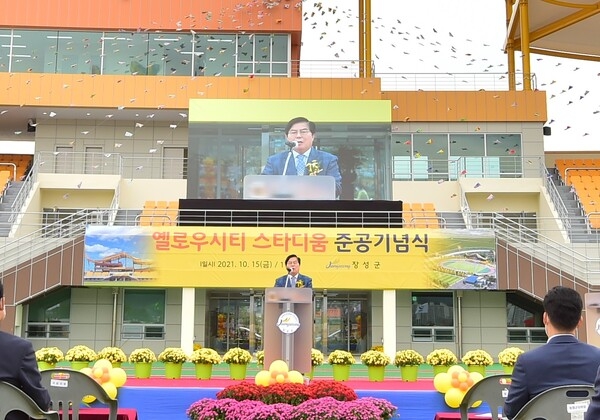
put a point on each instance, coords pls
(288, 327)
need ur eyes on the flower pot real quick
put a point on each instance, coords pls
(341, 372)
(204, 370)
(376, 373)
(79, 365)
(237, 371)
(409, 373)
(508, 369)
(439, 369)
(142, 370)
(116, 364)
(173, 370)
(45, 365)
(477, 368)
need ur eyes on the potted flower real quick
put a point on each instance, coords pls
(341, 360)
(173, 358)
(376, 361)
(80, 356)
(316, 359)
(114, 355)
(204, 359)
(508, 358)
(48, 357)
(477, 360)
(408, 361)
(142, 359)
(441, 359)
(237, 358)
(260, 358)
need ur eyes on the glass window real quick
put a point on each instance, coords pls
(128, 53)
(5, 42)
(78, 52)
(432, 317)
(170, 54)
(524, 319)
(34, 51)
(144, 306)
(49, 316)
(214, 54)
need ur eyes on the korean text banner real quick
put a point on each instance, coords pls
(247, 257)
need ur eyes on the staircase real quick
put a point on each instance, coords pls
(578, 229)
(6, 206)
(126, 217)
(452, 220)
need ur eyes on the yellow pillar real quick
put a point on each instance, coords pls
(510, 47)
(524, 19)
(368, 60)
(361, 38)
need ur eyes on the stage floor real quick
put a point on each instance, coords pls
(158, 398)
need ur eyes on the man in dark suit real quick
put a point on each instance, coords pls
(563, 360)
(19, 367)
(303, 159)
(293, 278)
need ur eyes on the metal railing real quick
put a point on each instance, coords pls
(449, 81)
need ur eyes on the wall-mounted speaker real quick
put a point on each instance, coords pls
(547, 130)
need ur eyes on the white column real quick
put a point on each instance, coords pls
(389, 323)
(188, 302)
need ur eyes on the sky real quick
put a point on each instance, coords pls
(439, 36)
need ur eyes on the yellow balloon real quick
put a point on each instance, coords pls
(118, 377)
(476, 376)
(454, 397)
(86, 370)
(295, 377)
(455, 368)
(111, 389)
(103, 364)
(442, 382)
(278, 366)
(262, 378)
(280, 378)
(463, 376)
(88, 399)
(97, 372)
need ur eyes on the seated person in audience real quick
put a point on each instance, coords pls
(19, 367)
(563, 360)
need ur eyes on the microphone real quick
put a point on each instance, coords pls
(289, 270)
(291, 144)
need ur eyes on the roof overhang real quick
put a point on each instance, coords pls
(558, 28)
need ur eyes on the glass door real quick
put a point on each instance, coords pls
(235, 320)
(341, 322)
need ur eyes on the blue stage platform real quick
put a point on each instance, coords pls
(154, 403)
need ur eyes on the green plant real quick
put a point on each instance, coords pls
(408, 358)
(441, 357)
(477, 358)
(238, 356)
(375, 358)
(142, 355)
(340, 357)
(205, 355)
(509, 356)
(173, 355)
(113, 354)
(51, 355)
(81, 353)
(316, 357)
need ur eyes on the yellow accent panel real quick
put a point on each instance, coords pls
(451, 106)
(256, 110)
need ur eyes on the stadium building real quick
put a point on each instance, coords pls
(134, 212)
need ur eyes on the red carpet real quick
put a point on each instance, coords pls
(356, 384)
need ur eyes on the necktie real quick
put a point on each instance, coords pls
(300, 165)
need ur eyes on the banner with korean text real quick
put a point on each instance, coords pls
(248, 257)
